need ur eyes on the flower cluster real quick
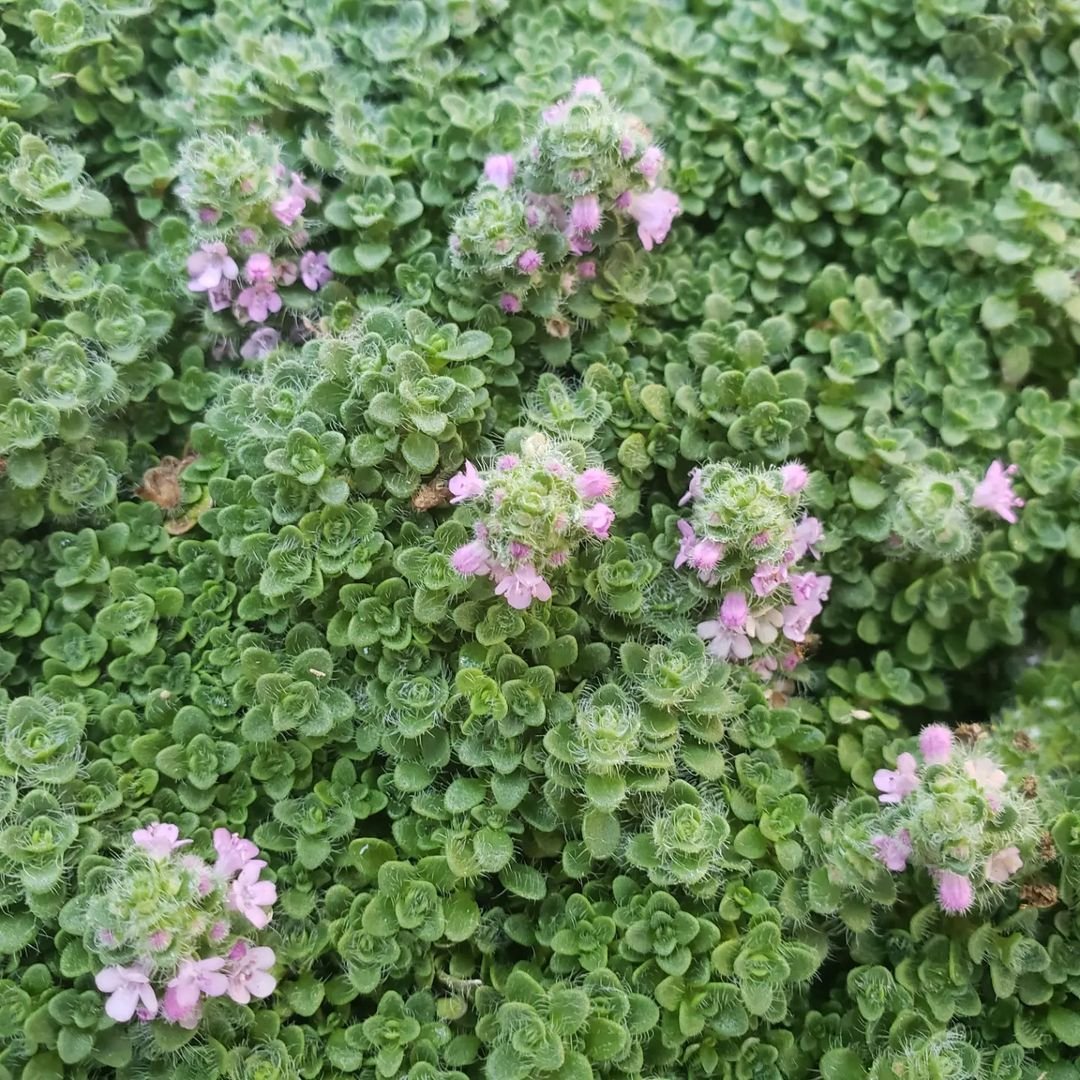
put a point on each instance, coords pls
(957, 817)
(532, 510)
(541, 219)
(171, 929)
(745, 538)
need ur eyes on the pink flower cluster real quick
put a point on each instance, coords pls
(241, 973)
(995, 494)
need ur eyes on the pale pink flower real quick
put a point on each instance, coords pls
(598, 519)
(810, 590)
(768, 577)
(209, 266)
(499, 170)
(935, 742)
(724, 644)
(158, 940)
(159, 839)
(893, 851)
(509, 303)
(797, 620)
(285, 272)
(595, 484)
(218, 932)
(557, 558)
(794, 477)
(994, 492)
(521, 586)
(759, 541)
(233, 853)
(507, 462)
(733, 611)
(194, 979)
(587, 85)
(471, 558)
(315, 270)
(807, 533)
(555, 467)
(303, 190)
(654, 211)
(259, 301)
(955, 894)
(1003, 864)
(248, 972)
(694, 489)
(990, 778)
(220, 296)
(208, 215)
(585, 214)
(249, 896)
(518, 550)
(896, 784)
(705, 557)
(261, 343)
(259, 267)
(764, 667)
(467, 484)
(650, 163)
(127, 988)
(556, 113)
(686, 543)
(247, 238)
(288, 208)
(530, 260)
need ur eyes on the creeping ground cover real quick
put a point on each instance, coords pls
(539, 539)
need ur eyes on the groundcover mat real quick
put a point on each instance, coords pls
(538, 539)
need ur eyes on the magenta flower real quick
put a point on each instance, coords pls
(893, 851)
(650, 163)
(248, 972)
(1003, 864)
(466, 484)
(994, 492)
(530, 260)
(586, 269)
(724, 644)
(587, 85)
(896, 784)
(768, 577)
(259, 301)
(315, 270)
(654, 211)
(249, 896)
(705, 556)
(259, 267)
(595, 484)
(955, 894)
(935, 742)
(733, 611)
(288, 209)
(233, 853)
(585, 214)
(521, 586)
(598, 520)
(127, 988)
(209, 266)
(499, 170)
(471, 558)
(794, 477)
(159, 839)
(261, 343)
(509, 303)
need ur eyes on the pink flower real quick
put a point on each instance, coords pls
(247, 238)
(521, 586)
(935, 742)
(694, 490)
(724, 644)
(471, 558)
(248, 972)
(794, 476)
(259, 267)
(509, 303)
(208, 215)
(626, 149)
(249, 895)
(810, 590)
(955, 894)
(507, 462)
(261, 343)
(650, 163)
(233, 853)
(654, 211)
(303, 190)
(1003, 864)
(598, 520)
(285, 272)
(518, 551)
(466, 484)
(807, 533)
(219, 931)
(585, 214)
(159, 939)
(759, 541)
(193, 979)
(288, 209)
(259, 301)
(587, 85)
(797, 620)
(893, 851)
(159, 839)
(733, 611)
(768, 577)
(989, 777)
(764, 667)
(220, 296)
(209, 266)
(499, 170)
(995, 493)
(897, 784)
(705, 557)
(530, 260)
(557, 558)
(127, 987)
(315, 270)
(595, 484)
(686, 544)
(586, 269)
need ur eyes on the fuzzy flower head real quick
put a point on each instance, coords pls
(499, 170)
(955, 894)
(935, 744)
(585, 214)
(994, 492)
(893, 851)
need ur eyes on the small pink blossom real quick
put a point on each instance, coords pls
(521, 586)
(507, 462)
(893, 851)
(694, 489)
(794, 476)
(285, 272)
(807, 533)
(1003, 864)
(764, 667)
(158, 839)
(233, 853)
(989, 777)
(705, 557)
(248, 972)
(530, 260)
(127, 988)
(733, 611)
(797, 620)
(724, 644)
(586, 269)
(220, 296)
(518, 550)
(259, 301)
(587, 85)
(896, 784)
(218, 932)
(471, 558)
(555, 467)
(499, 170)
(193, 979)
(935, 743)
(686, 543)
(759, 541)
(509, 303)
(261, 343)
(303, 190)
(259, 267)
(249, 896)
(626, 150)
(955, 894)
(159, 939)
(650, 163)
(209, 266)
(598, 519)
(768, 577)
(557, 558)
(810, 590)
(555, 114)
(247, 238)
(208, 215)
(315, 270)
(654, 211)
(288, 209)
(595, 484)
(467, 484)
(994, 492)
(585, 214)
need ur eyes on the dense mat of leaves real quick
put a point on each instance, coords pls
(538, 540)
